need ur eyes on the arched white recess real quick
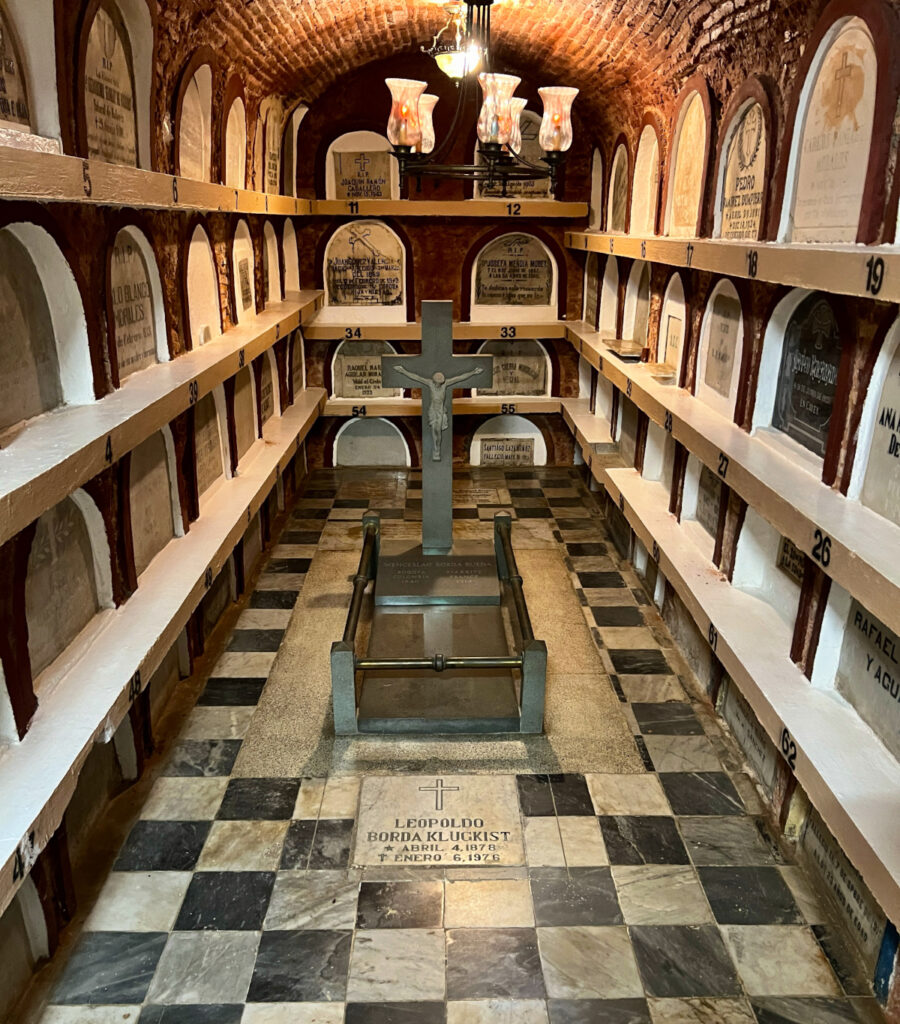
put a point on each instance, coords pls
(829, 156)
(203, 290)
(521, 368)
(235, 157)
(270, 393)
(298, 368)
(757, 567)
(66, 312)
(514, 276)
(356, 370)
(267, 154)
(645, 188)
(876, 470)
(609, 299)
(585, 378)
(243, 270)
(506, 440)
(365, 275)
(291, 260)
(210, 442)
(289, 153)
(636, 316)
(721, 349)
(672, 326)
(155, 509)
(532, 151)
(688, 163)
(591, 291)
(272, 264)
(356, 169)
(617, 204)
(370, 442)
(595, 220)
(32, 22)
(245, 405)
(256, 168)
(139, 312)
(195, 127)
(741, 183)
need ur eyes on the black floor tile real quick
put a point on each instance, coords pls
(255, 640)
(797, 1010)
(701, 793)
(396, 1013)
(574, 896)
(574, 525)
(351, 503)
(493, 963)
(640, 596)
(289, 565)
(311, 513)
(274, 598)
(460, 513)
(400, 905)
(535, 796)
(202, 758)
(225, 691)
(843, 959)
(533, 513)
(163, 846)
(318, 845)
(301, 967)
(110, 967)
(571, 795)
(226, 901)
(673, 718)
(586, 550)
(227, 1013)
(640, 662)
(526, 492)
(643, 752)
(617, 615)
(679, 961)
(555, 501)
(598, 1011)
(300, 537)
(259, 799)
(643, 840)
(749, 895)
(601, 580)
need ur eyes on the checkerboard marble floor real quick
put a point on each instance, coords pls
(659, 897)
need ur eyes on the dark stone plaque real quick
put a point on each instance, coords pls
(467, 575)
(709, 496)
(791, 560)
(514, 270)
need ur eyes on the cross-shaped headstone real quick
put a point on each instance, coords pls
(438, 373)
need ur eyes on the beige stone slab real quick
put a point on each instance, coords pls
(293, 1013)
(138, 901)
(281, 581)
(627, 794)
(780, 960)
(224, 723)
(179, 799)
(589, 963)
(309, 799)
(341, 797)
(700, 1011)
(488, 904)
(245, 664)
(264, 618)
(655, 894)
(294, 551)
(627, 637)
(397, 965)
(682, 754)
(497, 1011)
(118, 1014)
(243, 846)
(583, 845)
(652, 689)
(543, 843)
(320, 900)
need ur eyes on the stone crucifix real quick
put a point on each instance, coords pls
(438, 372)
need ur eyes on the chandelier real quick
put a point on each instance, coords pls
(462, 50)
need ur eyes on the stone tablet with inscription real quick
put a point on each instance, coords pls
(364, 266)
(244, 283)
(520, 368)
(297, 364)
(514, 270)
(709, 497)
(132, 303)
(13, 93)
(507, 451)
(881, 489)
(244, 413)
(267, 391)
(533, 152)
(753, 740)
(791, 560)
(745, 169)
(439, 821)
(207, 444)
(357, 370)
(724, 327)
(619, 192)
(592, 290)
(674, 330)
(152, 525)
(362, 175)
(109, 108)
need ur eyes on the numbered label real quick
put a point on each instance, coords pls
(358, 411)
(612, 246)
(628, 389)
(667, 423)
(108, 454)
(508, 409)
(789, 748)
(514, 209)
(208, 578)
(643, 250)
(600, 364)
(242, 359)
(352, 332)
(134, 687)
(278, 330)
(193, 392)
(724, 463)
(712, 634)
(752, 263)
(655, 552)
(875, 276)
(86, 179)
(354, 206)
(18, 865)
(689, 254)
(507, 332)
(236, 198)
(174, 190)
(621, 502)
(821, 551)
(249, 516)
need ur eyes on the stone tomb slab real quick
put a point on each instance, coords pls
(439, 820)
(468, 575)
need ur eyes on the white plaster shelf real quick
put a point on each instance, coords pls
(493, 405)
(840, 761)
(863, 545)
(463, 330)
(839, 269)
(511, 209)
(592, 433)
(38, 776)
(58, 452)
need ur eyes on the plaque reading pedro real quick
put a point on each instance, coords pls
(364, 266)
(362, 175)
(745, 168)
(444, 820)
(514, 270)
(109, 94)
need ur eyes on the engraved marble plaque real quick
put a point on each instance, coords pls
(709, 496)
(834, 146)
(507, 451)
(364, 266)
(687, 184)
(619, 192)
(810, 362)
(362, 175)
(244, 413)
(357, 370)
(513, 270)
(533, 152)
(193, 152)
(109, 94)
(236, 146)
(674, 329)
(152, 525)
(272, 152)
(13, 92)
(745, 169)
(791, 560)
(267, 391)
(721, 346)
(869, 674)
(520, 368)
(244, 283)
(592, 289)
(207, 444)
(752, 738)
(881, 488)
(442, 820)
(132, 303)
(297, 364)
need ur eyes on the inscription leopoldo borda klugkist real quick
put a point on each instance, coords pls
(445, 820)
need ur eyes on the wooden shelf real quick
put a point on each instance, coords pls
(61, 450)
(486, 406)
(463, 330)
(840, 761)
(871, 271)
(511, 209)
(863, 544)
(38, 776)
(592, 433)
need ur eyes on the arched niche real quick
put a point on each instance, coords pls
(533, 152)
(721, 349)
(591, 302)
(271, 264)
(138, 313)
(595, 216)
(269, 397)
(672, 326)
(298, 379)
(289, 152)
(68, 580)
(508, 441)
(356, 370)
(116, 81)
(645, 187)
(521, 368)
(798, 376)
(617, 205)
(210, 444)
(515, 272)
(269, 131)
(243, 270)
(291, 260)
(359, 165)
(153, 494)
(609, 299)
(245, 422)
(202, 290)
(30, 43)
(829, 153)
(686, 177)
(876, 473)
(741, 185)
(365, 274)
(256, 168)
(195, 127)
(44, 341)
(370, 442)
(636, 316)
(234, 158)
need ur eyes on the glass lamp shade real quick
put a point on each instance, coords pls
(556, 126)
(452, 63)
(516, 106)
(427, 104)
(403, 124)
(495, 120)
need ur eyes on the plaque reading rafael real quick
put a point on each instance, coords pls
(132, 303)
(362, 175)
(514, 270)
(881, 490)
(439, 820)
(364, 266)
(357, 370)
(109, 95)
(745, 168)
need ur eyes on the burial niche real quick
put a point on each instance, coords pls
(637, 305)
(359, 165)
(30, 381)
(14, 109)
(194, 135)
(236, 145)
(202, 290)
(150, 490)
(370, 442)
(721, 342)
(244, 412)
(291, 259)
(243, 268)
(807, 378)
(508, 441)
(356, 370)
(671, 328)
(881, 485)
(743, 178)
(271, 264)
(831, 155)
(297, 365)
(514, 270)
(591, 289)
(61, 588)
(686, 181)
(769, 566)
(365, 266)
(266, 389)
(595, 221)
(645, 188)
(109, 94)
(207, 444)
(617, 213)
(521, 368)
(609, 299)
(533, 152)
(134, 319)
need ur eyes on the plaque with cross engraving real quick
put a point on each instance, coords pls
(362, 175)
